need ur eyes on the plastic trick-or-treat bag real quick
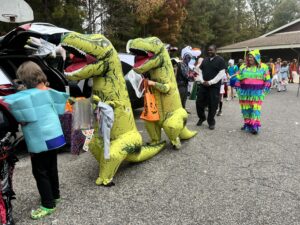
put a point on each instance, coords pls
(82, 121)
(83, 114)
(194, 91)
(150, 112)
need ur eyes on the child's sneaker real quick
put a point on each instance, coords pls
(41, 213)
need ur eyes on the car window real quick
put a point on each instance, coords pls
(56, 63)
(4, 78)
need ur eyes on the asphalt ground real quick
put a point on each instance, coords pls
(220, 177)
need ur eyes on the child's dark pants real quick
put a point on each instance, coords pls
(44, 169)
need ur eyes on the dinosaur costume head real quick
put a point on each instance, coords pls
(89, 50)
(148, 53)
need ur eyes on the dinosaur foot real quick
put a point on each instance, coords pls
(147, 152)
(110, 184)
(99, 181)
(187, 134)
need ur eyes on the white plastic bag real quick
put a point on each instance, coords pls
(83, 117)
(136, 81)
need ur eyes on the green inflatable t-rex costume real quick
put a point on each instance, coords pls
(152, 57)
(96, 57)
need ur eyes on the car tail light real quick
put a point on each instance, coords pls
(6, 89)
(26, 26)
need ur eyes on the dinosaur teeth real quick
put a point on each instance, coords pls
(73, 72)
(139, 52)
(78, 50)
(81, 52)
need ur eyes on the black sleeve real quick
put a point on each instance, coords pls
(201, 66)
(222, 65)
(178, 69)
(185, 77)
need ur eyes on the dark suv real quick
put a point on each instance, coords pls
(13, 53)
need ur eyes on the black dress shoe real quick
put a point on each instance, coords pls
(211, 127)
(200, 121)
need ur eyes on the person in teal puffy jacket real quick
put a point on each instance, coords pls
(231, 72)
(37, 109)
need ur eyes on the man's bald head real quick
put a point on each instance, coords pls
(212, 50)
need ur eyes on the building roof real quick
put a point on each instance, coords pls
(282, 28)
(287, 36)
(276, 41)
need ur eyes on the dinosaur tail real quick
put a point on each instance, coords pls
(147, 152)
(187, 134)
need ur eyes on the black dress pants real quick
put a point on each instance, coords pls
(208, 96)
(44, 169)
(183, 91)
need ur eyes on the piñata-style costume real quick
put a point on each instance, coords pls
(253, 83)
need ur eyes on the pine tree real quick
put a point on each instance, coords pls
(120, 24)
(62, 13)
(196, 28)
(285, 12)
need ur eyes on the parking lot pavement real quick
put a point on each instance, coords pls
(220, 177)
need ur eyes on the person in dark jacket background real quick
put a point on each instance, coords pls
(182, 77)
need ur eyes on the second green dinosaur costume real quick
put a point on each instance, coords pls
(152, 57)
(97, 58)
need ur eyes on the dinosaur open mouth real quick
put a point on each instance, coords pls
(78, 58)
(141, 57)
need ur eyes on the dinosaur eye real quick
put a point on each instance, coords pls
(104, 43)
(156, 41)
